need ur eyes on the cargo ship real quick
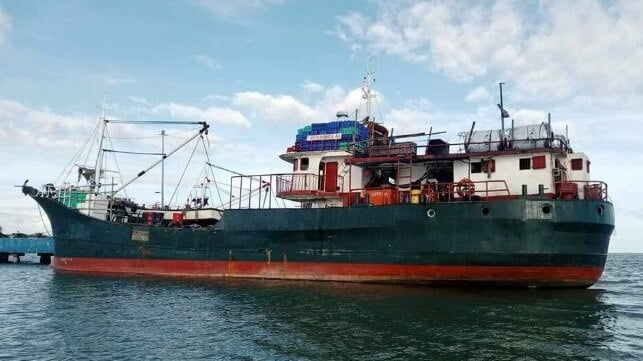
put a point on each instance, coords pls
(514, 206)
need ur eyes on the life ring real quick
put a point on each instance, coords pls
(465, 188)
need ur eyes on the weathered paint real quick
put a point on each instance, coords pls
(544, 241)
(515, 275)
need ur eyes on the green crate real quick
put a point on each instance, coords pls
(72, 199)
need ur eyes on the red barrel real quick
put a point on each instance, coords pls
(149, 217)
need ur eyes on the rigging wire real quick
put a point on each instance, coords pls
(43, 221)
(77, 155)
(196, 144)
(207, 157)
(153, 136)
(94, 140)
(118, 168)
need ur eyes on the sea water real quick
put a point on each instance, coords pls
(50, 316)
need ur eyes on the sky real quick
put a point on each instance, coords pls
(257, 70)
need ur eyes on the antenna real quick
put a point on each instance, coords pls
(163, 169)
(104, 105)
(367, 85)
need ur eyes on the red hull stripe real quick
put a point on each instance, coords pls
(334, 271)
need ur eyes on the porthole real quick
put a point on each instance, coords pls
(484, 210)
(430, 213)
(600, 210)
(546, 208)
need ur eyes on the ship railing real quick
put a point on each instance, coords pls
(433, 192)
(307, 182)
(251, 191)
(442, 148)
(464, 189)
(582, 189)
(489, 189)
(85, 199)
(63, 193)
(259, 191)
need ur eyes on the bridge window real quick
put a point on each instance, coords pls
(476, 167)
(577, 164)
(525, 163)
(304, 164)
(538, 162)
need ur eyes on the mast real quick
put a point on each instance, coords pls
(502, 109)
(367, 88)
(203, 188)
(95, 183)
(162, 168)
(367, 95)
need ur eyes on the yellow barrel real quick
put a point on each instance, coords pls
(415, 195)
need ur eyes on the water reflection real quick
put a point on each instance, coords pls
(307, 320)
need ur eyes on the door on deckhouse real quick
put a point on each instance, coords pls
(330, 177)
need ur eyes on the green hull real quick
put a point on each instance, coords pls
(527, 242)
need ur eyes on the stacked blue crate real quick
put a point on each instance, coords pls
(351, 135)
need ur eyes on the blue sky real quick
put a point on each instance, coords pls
(258, 70)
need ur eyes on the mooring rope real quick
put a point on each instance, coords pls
(43, 222)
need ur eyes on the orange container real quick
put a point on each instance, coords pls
(349, 199)
(382, 196)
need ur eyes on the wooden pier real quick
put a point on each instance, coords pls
(18, 247)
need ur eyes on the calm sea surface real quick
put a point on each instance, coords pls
(44, 315)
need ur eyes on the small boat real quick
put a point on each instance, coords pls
(514, 206)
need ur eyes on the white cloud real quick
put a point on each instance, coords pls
(478, 94)
(450, 38)
(211, 114)
(238, 11)
(337, 99)
(5, 26)
(287, 108)
(23, 215)
(273, 107)
(207, 61)
(41, 128)
(527, 116)
(311, 87)
(549, 50)
(408, 120)
(216, 97)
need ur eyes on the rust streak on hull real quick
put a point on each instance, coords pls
(551, 276)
